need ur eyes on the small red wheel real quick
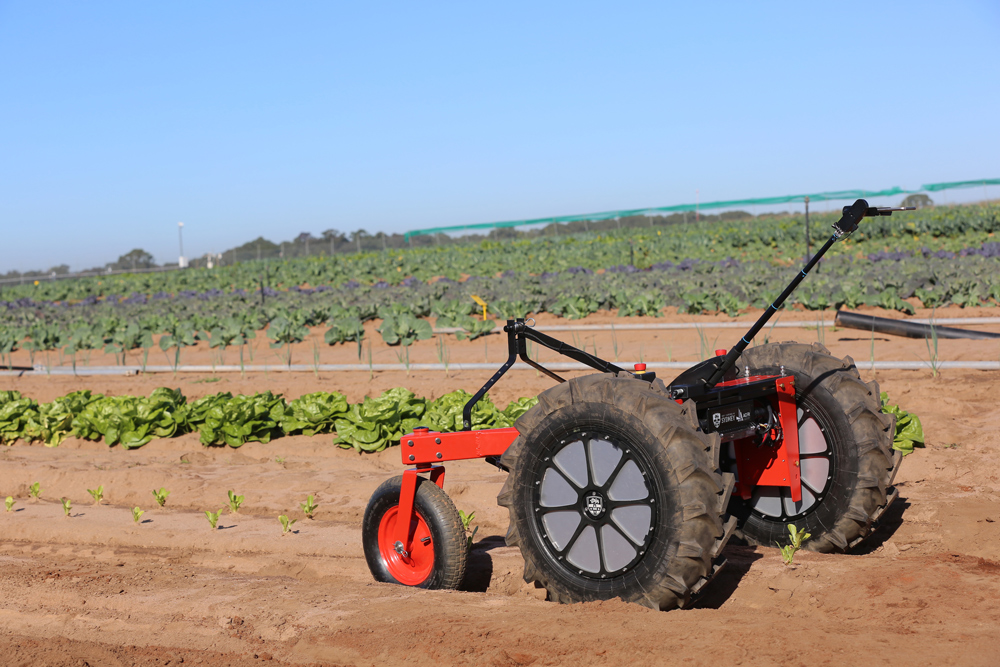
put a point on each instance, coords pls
(436, 555)
(413, 568)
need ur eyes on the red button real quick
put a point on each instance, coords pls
(640, 367)
(721, 353)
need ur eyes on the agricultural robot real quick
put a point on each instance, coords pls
(623, 486)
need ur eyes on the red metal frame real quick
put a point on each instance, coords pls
(423, 448)
(773, 466)
(757, 465)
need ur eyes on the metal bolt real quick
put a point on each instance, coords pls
(412, 457)
(437, 441)
(409, 442)
(439, 454)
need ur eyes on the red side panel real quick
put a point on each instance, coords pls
(773, 466)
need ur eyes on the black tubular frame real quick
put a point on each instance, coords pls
(518, 335)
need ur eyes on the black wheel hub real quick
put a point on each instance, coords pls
(593, 505)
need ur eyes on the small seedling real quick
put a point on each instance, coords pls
(213, 517)
(234, 502)
(9, 503)
(466, 522)
(137, 514)
(797, 538)
(35, 490)
(279, 459)
(161, 496)
(286, 523)
(308, 507)
(97, 494)
(67, 506)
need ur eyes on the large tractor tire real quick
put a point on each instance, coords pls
(845, 447)
(614, 493)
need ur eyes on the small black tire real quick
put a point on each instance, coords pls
(858, 464)
(438, 553)
(655, 540)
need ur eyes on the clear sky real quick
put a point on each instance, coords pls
(119, 119)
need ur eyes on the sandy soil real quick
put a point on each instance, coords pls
(97, 589)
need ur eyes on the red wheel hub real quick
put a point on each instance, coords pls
(413, 568)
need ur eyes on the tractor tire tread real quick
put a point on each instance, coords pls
(704, 490)
(872, 430)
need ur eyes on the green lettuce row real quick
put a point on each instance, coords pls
(224, 419)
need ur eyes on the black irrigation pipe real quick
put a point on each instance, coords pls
(885, 325)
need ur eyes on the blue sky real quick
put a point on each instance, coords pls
(242, 119)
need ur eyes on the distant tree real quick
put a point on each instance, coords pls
(60, 270)
(920, 201)
(134, 259)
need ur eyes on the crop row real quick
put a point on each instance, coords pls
(224, 419)
(229, 319)
(762, 239)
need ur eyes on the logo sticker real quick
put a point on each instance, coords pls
(595, 505)
(716, 419)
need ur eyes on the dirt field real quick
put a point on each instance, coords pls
(96, 589)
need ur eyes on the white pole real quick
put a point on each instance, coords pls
(181, 262)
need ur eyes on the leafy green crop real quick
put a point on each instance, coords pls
(52, 422)
(16, 412)
(213, 517)
(137, 514)
(309, 507)
(404, 329)
(242, 419)
(377, 422)
(314, 413)
(132, 421)
(97, 494)
(67, 506)
(35, 490)
(473, 327)
(286, 523)
(797, 538)
(909, 431)
(9, 503)
(161, 496)
(235, 502)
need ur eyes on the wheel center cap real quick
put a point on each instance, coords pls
(593, 504)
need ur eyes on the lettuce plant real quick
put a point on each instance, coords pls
(797, 537)
(67, 506)
(213, 517)
(35, 490)
(314, 413)
(235, 502)
(243, 419)
(161, 496)
(97, 494)
(308, 507)
(9, 503)
(137, 514)
(286, 523)
(909, 431)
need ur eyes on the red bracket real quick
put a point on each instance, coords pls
(423, 447)
(773, 466)
(405, 524)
